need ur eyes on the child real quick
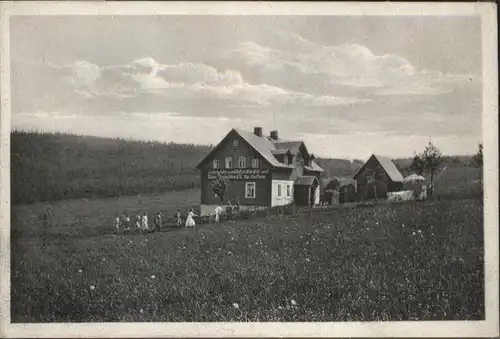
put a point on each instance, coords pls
(179, 219)
(144, 221)
(116, 224)
(138, 221)
(218, 211)
(158, 221)
(127, 222)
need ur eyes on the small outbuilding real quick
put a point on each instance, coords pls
(382, 169)
(307, 191)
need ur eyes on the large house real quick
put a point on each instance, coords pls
(263, 171)
(380, 168)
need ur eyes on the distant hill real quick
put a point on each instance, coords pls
(47, 166)
(339, 167)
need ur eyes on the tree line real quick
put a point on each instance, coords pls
(55, 166)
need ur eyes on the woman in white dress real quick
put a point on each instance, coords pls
(189, 220)
(144, 221)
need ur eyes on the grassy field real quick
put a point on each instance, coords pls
(412, 261)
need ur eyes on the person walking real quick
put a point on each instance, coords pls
(218, 212)
(179, 218)
(144, 222)
(138, 222)
(158, 221)
(127, 222)
(116, 224)
(189, 220)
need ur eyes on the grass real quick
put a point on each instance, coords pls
(415, 261)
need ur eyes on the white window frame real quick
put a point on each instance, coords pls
(255, 163)
(247, 184)
(235, 142)
(279, 191)
(242, 160)
(288, 190)
(216, 164)
(228, 162)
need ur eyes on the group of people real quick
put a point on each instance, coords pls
(124, 221)
(140, 221)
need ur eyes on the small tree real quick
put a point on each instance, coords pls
(417, 165)
(428, 161)
(220, 186)
(477, 161)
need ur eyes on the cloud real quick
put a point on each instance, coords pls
(350, 65)
(166, 82)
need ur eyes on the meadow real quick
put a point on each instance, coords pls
(408, 261)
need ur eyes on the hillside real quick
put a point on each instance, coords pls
(48, 167)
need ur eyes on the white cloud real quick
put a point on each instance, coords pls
(351, 65)
(183, 81)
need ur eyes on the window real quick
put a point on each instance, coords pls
(242, 163)
(216, 164)
(229, 162)
(249, 190)
(285, 159)
(279, 190)
(235, 142)
(255, 163)
(288, 191)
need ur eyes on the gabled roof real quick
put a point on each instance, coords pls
(293, 146)
(261, 145)
(388, 167)
(314, 167)
(306, 180)
(267, 148)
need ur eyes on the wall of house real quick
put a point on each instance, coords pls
(284, 198)
(237, 177)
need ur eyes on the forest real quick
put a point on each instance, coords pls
(48, 167)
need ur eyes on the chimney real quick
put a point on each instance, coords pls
(257, 131)
(274, 135)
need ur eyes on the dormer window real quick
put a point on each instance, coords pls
(285, 159)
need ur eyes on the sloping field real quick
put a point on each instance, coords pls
(394, 262)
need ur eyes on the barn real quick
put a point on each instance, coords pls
(263, 171)
(381, 169)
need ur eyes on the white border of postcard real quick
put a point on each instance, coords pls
(487, 328)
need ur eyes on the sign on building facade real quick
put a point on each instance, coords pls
(241, 173)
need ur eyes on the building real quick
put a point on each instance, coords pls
(263, 171)
(379, 168)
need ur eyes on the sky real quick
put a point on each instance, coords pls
(348, 86)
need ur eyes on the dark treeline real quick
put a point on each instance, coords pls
(47, 167)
